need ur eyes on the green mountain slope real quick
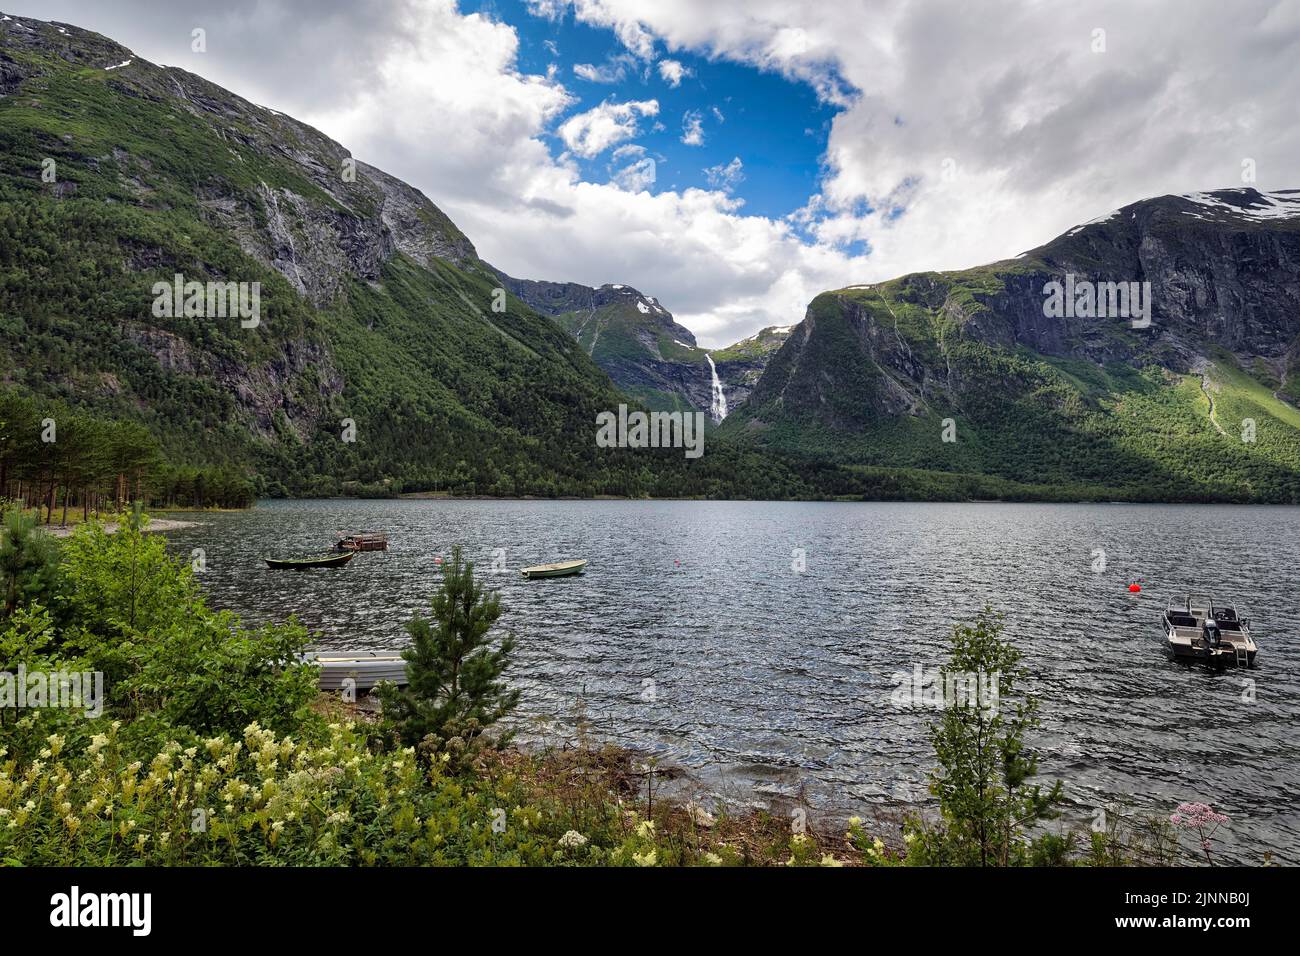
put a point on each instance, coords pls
(378, 321)
(1092, 406)
(644, 350)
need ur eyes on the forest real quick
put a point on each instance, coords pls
(61, 461)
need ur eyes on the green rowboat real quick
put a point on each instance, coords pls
(302, 564)
(562, 570)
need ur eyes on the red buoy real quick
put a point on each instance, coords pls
(1134, 588)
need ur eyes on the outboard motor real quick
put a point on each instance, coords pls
(1212, 636)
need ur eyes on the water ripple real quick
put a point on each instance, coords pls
(692, 635)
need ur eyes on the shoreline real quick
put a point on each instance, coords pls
(156, 525)
(443, 496)
(691, 804)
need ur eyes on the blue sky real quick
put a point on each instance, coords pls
(777, 127)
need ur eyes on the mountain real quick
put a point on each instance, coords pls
(384, 354)
(381, 357)
(741, 365)
(1198, 405)
(644, 350)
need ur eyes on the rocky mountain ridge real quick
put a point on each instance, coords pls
(644, 349)
(873, 370)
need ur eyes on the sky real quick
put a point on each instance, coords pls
(736, 157)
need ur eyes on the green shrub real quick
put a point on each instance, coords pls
(258, 798)
(138, 616)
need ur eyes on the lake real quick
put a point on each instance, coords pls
(759, 642)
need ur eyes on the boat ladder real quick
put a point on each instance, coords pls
(1243, 656)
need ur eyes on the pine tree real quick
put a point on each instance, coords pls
(454, 672)
(983, 784)
(29, 566)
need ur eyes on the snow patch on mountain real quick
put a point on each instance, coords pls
(1091, 222)
(1277, 205)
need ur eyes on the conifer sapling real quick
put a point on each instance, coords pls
(453, 670)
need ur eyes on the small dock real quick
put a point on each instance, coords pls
(362, 541)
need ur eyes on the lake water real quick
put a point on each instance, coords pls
(693, 635)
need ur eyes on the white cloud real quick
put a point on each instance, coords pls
(726, 176)
(627, 151)
(548, 9)
(693, 128)
(591, 133)
(614, 70)
(672, 72)
(635, 176)
(595, 74)
(1044, 133)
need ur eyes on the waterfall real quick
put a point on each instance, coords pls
(718, 406)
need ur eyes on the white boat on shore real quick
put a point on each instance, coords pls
(364, 668)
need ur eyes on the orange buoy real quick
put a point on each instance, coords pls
(1134, 588)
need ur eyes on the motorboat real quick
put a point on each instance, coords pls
(1197, 629)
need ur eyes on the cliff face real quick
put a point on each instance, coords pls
(116, 173)
(646, 352)
(1224, 269)
(740, 365)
